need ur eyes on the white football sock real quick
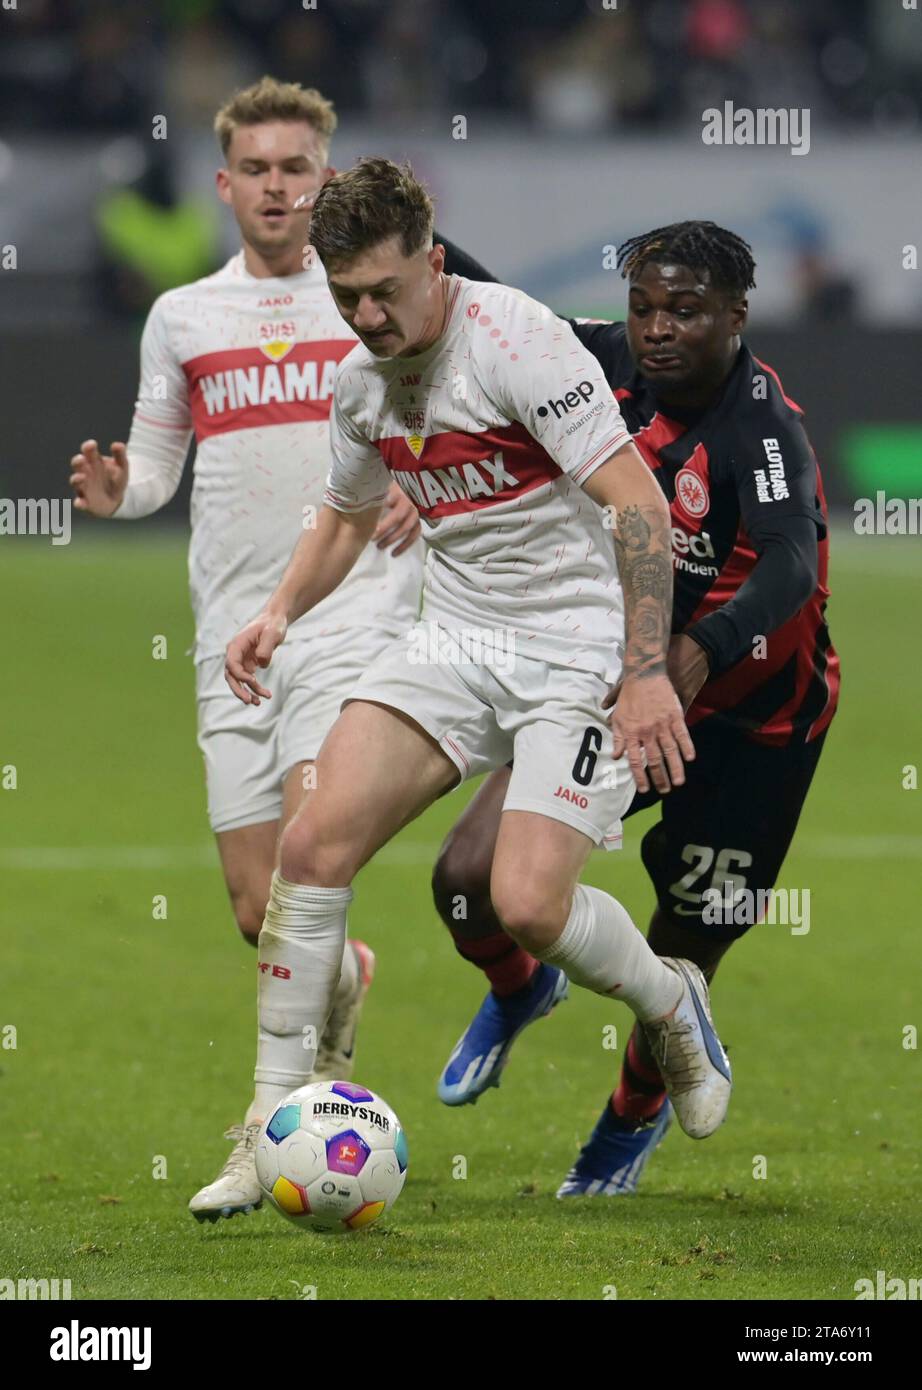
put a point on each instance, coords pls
(602, 950)
(300, 959)
(267, 1097)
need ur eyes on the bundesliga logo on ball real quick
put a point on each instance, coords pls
(332, 1157)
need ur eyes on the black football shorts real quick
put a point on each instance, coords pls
(728, 828)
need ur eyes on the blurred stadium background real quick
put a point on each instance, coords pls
(583, 126)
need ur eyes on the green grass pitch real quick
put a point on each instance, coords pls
(134, 1035)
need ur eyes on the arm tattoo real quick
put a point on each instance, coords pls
(644, 554)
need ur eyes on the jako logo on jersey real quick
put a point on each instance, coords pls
(691, 493)
(276, 301)
(242, 386)
(580, 394)
(577, 798)
(773, 488)
(459, 483)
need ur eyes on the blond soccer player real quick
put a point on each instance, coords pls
(244, 360)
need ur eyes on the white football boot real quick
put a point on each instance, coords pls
(236, 1188)
(336, 1053)
(689, 1054)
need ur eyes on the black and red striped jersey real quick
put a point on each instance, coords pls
(740, 478)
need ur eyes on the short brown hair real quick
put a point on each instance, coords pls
(366, 205)
(271, 100)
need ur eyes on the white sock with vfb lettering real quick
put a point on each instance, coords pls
(300, 956)
(602, 950)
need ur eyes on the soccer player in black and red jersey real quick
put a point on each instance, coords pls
(750, 658)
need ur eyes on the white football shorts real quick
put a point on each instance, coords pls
(248, 751)
(484, 712)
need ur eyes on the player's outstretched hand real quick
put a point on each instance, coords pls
(398, 525)
(649, 729)
(252, 647)
(99, 480)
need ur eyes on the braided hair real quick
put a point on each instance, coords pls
(698, 245)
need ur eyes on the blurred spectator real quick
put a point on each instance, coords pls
(204, 61)
(151, 241)
(824, 292)
(716, 30)
(401, 69)
(306, 47)
(599, 74)
(569, 64)
(825, 295)
(117, 65)
(781, 68)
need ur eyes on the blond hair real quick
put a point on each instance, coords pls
(366, 205)
(271, 100)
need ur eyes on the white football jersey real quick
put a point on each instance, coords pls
(491, 431)
(248, 366)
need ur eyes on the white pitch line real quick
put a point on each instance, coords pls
(405, 854)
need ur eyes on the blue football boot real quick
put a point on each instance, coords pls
(483, 1050)
(611, 1163)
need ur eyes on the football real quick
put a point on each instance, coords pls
(332, 1157)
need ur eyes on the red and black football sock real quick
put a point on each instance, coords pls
(640, 1092)
(506, 965)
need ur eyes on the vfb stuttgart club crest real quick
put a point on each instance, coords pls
(277, 338)
(691, 493)
(414, 422)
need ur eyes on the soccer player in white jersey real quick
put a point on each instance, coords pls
(503, 429)
(244, 360)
